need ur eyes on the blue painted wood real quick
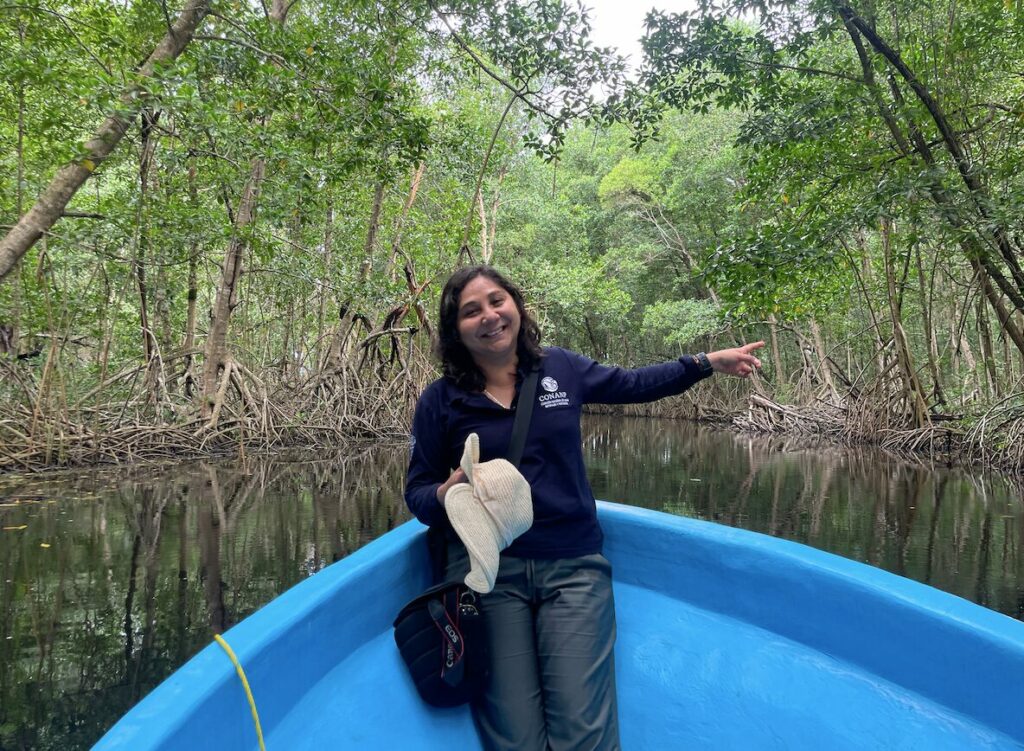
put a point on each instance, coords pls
(727, 640)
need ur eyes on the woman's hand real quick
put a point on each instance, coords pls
(737, 361)
(456, 477)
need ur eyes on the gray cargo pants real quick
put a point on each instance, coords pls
(551, 630)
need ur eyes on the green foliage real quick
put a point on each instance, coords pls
(569, 293)
(630, 177)
(681, 322)
(760, 197)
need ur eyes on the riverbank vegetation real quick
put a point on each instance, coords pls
(224, 226)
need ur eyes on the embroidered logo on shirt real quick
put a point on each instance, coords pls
(549, 383)
(555, 399)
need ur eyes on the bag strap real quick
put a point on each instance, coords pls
(453, 669)
(524, 411)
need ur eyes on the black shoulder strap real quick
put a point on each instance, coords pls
(524, 411)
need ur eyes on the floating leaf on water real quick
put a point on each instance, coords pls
(15, 529)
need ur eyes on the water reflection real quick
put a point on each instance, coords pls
(956, 530)
(110, 580)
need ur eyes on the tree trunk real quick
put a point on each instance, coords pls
(50, 205)
(325, 280)
(929, 330)
(863, 274)
(1020, 327)
(485, 252)
(495, 205)
(995, 301)
(287, 360)
(107, 320)
(193, 291)
(148, 119)
(912, 391)
(464, 246)
(163, 290)
(822, 355)
(962, 346)
(12, 334)
(372, 231)
(396, 240)
(988, 359)
(216, 354)
(1007, 359)
(779, 375)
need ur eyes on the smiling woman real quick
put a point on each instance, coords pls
(482, 312)
(549, 617)
(489, 324)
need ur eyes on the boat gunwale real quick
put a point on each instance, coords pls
(1003, 630)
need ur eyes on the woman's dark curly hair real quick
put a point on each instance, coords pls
(456, 361)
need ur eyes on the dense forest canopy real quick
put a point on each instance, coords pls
(225, 224)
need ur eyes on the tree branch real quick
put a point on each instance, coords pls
(464, 246)
(518, 92)
(271, 55)
(802, 69)
(83, 215)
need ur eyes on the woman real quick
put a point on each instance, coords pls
(550, 618)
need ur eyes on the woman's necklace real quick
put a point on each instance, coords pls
(496, 400)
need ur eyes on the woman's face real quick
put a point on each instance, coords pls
(488, 320)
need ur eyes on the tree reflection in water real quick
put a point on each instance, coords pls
(145, 564)
(957, 530)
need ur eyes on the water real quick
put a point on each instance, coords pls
(119, 576)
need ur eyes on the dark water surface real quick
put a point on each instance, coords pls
(110, 580)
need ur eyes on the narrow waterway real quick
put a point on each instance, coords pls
(111, 579)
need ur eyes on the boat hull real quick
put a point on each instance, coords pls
(727, 640)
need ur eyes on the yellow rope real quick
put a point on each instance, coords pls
(245, 685)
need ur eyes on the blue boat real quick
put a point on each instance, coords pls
(727, 639)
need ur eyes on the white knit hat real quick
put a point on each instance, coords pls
(488, 512)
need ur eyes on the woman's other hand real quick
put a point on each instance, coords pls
(737, 361)
(456, 477)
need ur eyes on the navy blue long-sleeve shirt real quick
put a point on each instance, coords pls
(565, 514)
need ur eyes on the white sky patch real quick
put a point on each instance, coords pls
(620, 23)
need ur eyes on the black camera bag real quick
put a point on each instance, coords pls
(440, 636)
